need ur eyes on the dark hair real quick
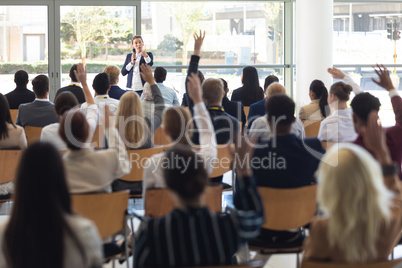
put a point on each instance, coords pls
(160, 74)
(269, 80)
(64, 102)
(278, 106)
(251, 91)
(201, 76)
(363, 103)
(40, 85)
(74, 129)
(341, 91)
(5, 117)
(72, 74)
(21, 78)
(101, 83)
(321, 93)
(188, 182)
(35, 233)
(225, 85)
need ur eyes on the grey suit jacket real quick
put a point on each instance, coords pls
(37, 114)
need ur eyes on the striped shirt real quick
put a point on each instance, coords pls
(198, 237)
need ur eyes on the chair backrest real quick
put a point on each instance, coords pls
(32, 133)
(9, 160)
(286, 209)
(224, 161)
(158, 202)
(97, 138)
(246, 109)
(311, 128)
(137, 159)
(384, 264)
(159, 137)
(14, 113)
(107, 211)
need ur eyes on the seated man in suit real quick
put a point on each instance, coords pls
(20, 94)
(234, 108)
(115, 91)
(168, 94)
(258, 109)
(284, 161)
(74, 86)
(40, 112)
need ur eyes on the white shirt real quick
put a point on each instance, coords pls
(260, 129)
(50, 133)
(86, 233)
(90, 171)
(338, 127)
(153, 172)
(136, 85)
(101, 101)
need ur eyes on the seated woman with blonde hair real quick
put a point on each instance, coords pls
(362, 202)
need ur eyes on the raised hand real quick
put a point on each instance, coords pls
(81, 73)
(384, 79)
(194, 88)
(336, 73)
(146, 74)
(144, 53)
(198, 40)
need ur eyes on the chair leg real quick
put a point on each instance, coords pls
(113, 263)
(392, 254)
(126, 243)
(297, 260)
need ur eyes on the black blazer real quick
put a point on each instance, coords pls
(76, 90)
(19, 96)
(130, 73)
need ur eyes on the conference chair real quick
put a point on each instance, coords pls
(384, 264)
(14, 113)
(138, 159)
(311, 128)
(32, 134)
(328, 144)
(286, 209)
(9, 160)
(159, 202)
(109, 213)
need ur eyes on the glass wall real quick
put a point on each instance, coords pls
(23, 43)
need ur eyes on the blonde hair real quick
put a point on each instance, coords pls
(130, 121)
(177, 122)
(352, 192)
(275, 89)
(113, 72)
(212, 90)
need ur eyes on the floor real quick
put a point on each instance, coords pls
(276, 261)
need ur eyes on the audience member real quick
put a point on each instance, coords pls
(66, 101)
(42, 217)
(251, 91)
(87, 170)
(74, 86)
(101, 85)
(234, 108)
(20, 94)
(40, 112)
(258, 109)
(115, 91)
(177, 124)
(11, 136)
(135, 129)
(338, 127)
(260, 129)
(191, 234)
(362, 202)
(186, 101)
(318, 108)
(285, 162)
(168, 94)
(364, 103)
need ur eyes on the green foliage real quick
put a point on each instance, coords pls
(170, 44)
